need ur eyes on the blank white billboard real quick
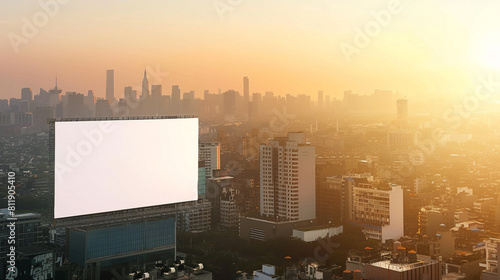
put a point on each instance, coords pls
(103, 166)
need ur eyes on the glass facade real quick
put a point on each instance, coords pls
(201, 182)
(119, 240)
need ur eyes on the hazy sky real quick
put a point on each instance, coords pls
(426, 47)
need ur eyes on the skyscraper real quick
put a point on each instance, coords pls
(26, 94)
(110, 85)
(145, 87)
(256, 104)
(320, 100)
(76, 105)
(128, 94)
(175, 100)
(156, 93)
(89, 102)
(229, 104)
(103, 108)
(287, 178)
(246, 90)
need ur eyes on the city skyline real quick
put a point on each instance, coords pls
(418, 49)
(233, 139)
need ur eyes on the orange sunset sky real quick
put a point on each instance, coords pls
(423, 49)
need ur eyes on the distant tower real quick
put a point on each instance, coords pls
(320, 100)
(402, 105)
(175, 100)
(145, 86)
(127, 94)
(156, 94)
(26, 94)
(246, 90)
(110, 85)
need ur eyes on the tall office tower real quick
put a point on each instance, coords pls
(127, 94)
(287, 178)
(40, 116)
(320, 100)
(4, 105)
(89, 102)
(188, 103)
(402, 105)
(145, 106)
(110, 85)
(175, 103)
(210, 153)
(54, 97)
(229, 104)
(256, 104)
(145, 87)
(378, 209)
(26, 94)
(156, 93)
(246, 90)
(103, 108)
(76, 105)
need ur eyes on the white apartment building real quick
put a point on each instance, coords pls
(379, 210)
(287, 178)
(210, 153)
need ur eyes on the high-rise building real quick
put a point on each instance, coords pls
(246, 90)
(188, 103)
(53, 96)
(145, 87)
(210, 153)
(256, 104)
(175, 103)
(26, 94)
(229, 104)
(41, 115)
(103, 108)
(287, 178)
(156, 92)
(89, 102)
(76, 105)
(128, 94)
(110, 85)
(320, 100)
(4, 105)
(156, 100)
(229, 215)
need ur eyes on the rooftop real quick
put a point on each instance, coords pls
(401, 267)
